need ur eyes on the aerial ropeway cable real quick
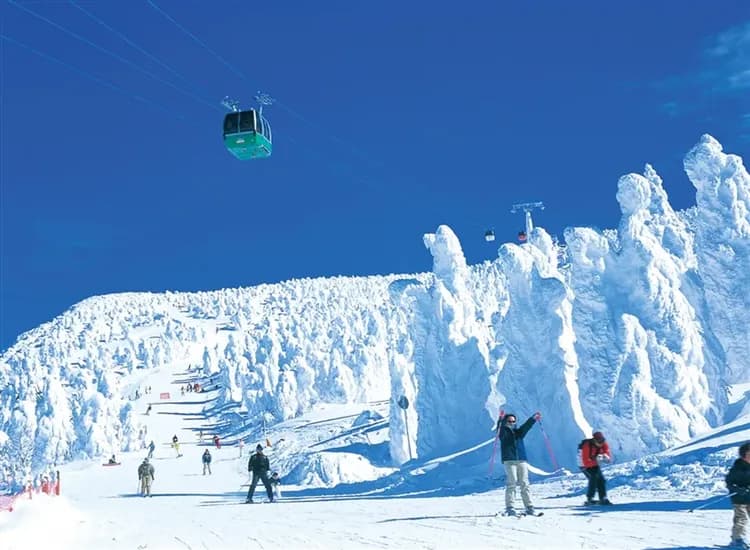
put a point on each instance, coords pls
(142, 50)
(246, 133)
(93, 77)
(110, 53)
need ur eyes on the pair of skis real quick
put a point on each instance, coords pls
(519, 515)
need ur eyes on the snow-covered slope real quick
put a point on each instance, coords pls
(339, 491)
(638, 335)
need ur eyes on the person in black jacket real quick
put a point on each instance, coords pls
(738, 482)
(514, 459)
(259, 466)
(206, 458)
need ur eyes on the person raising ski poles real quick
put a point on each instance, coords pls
(513, 453)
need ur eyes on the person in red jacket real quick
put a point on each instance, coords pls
(591, 453)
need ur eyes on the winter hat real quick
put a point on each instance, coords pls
(744, 449)
(599, 437)
(259, 447)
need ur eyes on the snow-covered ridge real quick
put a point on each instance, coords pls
(638, 335)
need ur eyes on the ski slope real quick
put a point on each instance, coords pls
(443, 503)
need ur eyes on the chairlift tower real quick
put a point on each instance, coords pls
(527, 207)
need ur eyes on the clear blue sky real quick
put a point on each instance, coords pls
(395, 117)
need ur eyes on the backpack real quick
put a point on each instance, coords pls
(592, 451)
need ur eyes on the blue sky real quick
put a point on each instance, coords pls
(393, 118)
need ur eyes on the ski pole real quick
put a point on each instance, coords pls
(710, 502)
(549, 446)
(500, 415)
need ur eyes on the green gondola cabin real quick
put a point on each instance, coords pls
(247, 135)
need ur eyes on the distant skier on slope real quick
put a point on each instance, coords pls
(151, 449)
(206, 462)
(590, 453)
(513, 455)
(176, 445)
(146, 475)
(275, 482)
(258, 465)
(738, 482)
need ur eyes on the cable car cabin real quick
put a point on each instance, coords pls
(489, 235)
(247, 135)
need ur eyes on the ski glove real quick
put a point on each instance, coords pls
(537, 416)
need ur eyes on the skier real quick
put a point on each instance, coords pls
(591, 452)
(146, 475)
(514, 460)
(151, 449)
(217, 442)
(738, 482)
(275, 482)
(176, 445)
(259, 466)
(148, 409)
(206, 462)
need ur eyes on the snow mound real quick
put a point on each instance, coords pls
(328, 469)
(367, 417)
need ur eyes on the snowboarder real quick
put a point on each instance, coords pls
(206, 462)
(738, 482)
(112, 460)
(258, 465)
(148, 409)
(514, 459)
(151, 449)
(591, 452)
(146, 475)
